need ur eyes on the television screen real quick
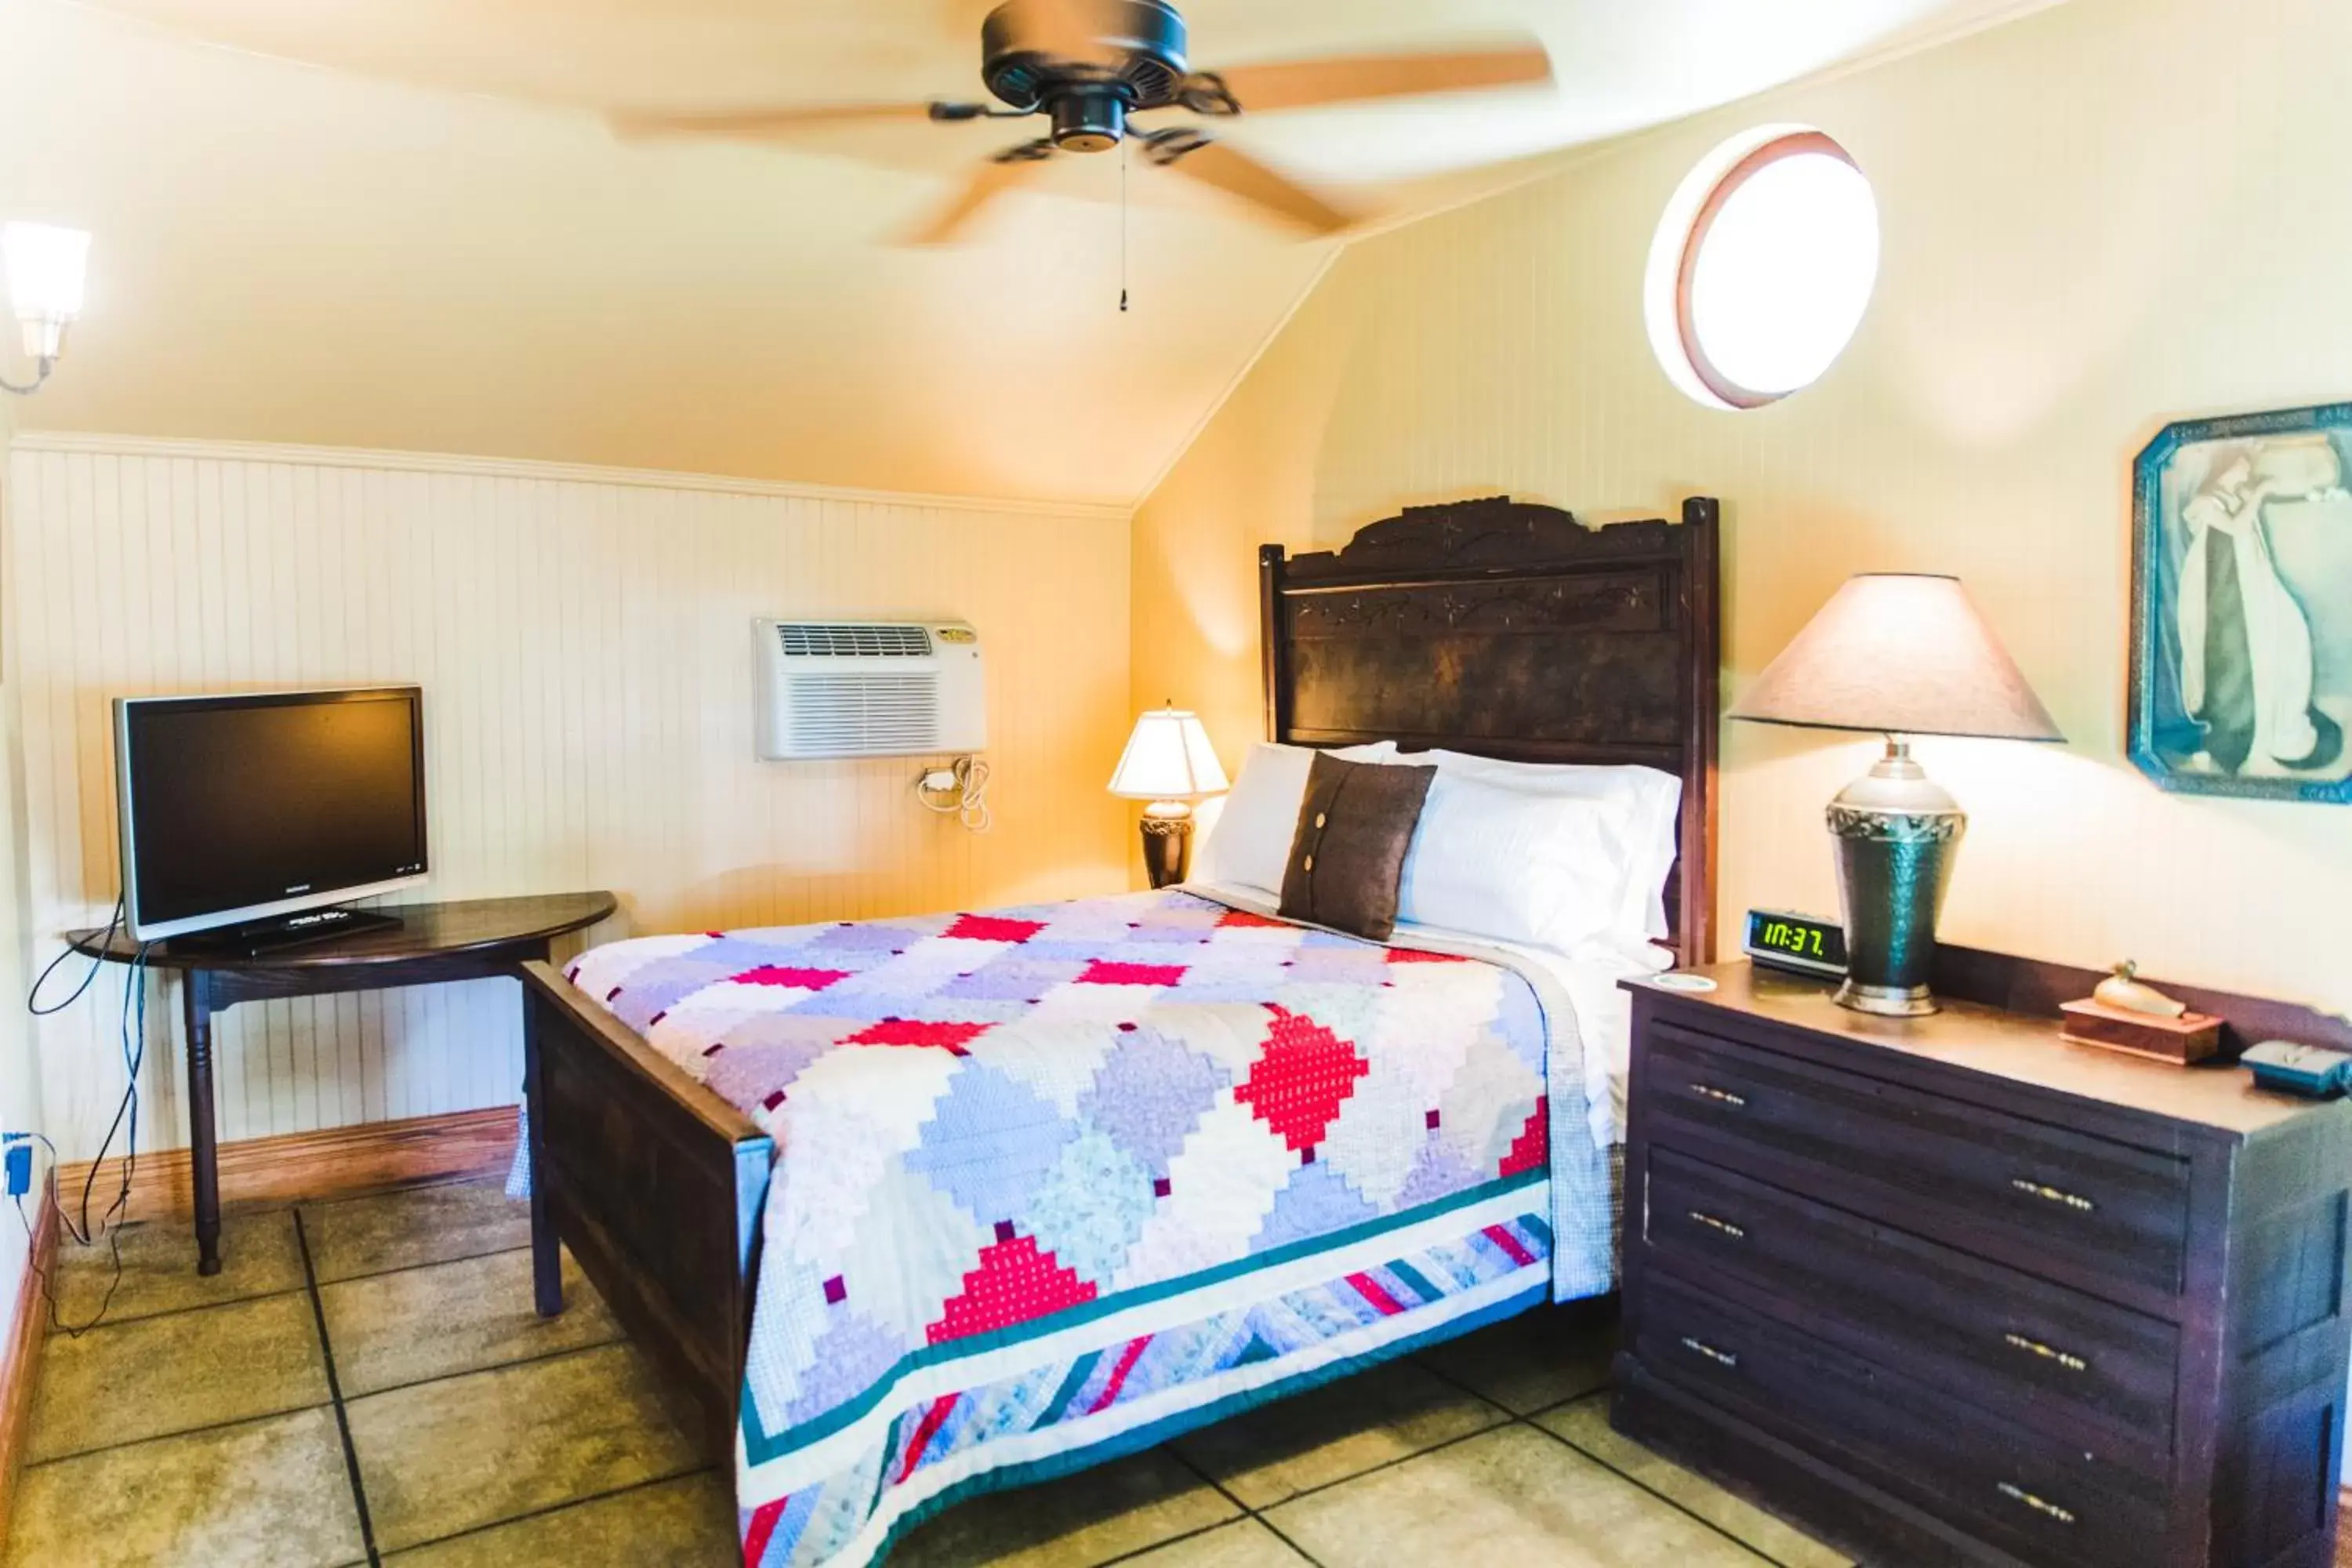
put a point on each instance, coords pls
(240, 808)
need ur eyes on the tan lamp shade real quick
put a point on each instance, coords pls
(1903, 655)
(1167, 758)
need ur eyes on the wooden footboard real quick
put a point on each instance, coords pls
(656, 1183)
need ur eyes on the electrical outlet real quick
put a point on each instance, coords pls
(941, 780)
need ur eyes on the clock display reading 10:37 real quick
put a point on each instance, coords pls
(1803, 942)
(1796, 942)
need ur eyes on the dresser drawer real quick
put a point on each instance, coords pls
(1978, 1178)
(2031, 1495)
(2085, 1370)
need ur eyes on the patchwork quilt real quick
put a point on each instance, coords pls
(1054, 1183)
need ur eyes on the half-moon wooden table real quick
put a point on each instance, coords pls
(434, 944)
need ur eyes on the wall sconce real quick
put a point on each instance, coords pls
(44, 265)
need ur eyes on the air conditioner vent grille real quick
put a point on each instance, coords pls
(845, 640)
(864, 714)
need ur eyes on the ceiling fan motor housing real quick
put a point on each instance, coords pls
(1130, 56)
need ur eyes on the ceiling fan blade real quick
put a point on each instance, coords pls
(981, 187)
(1239, 174)
(761, 124)
(1301, 84)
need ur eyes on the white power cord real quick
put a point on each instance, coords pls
(959, 791)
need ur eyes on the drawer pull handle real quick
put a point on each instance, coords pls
(2052, 1195)
(1720, 1096)
(2039, 1505)
(1737, 1233)
(1700, 1347)
(2047, 1352)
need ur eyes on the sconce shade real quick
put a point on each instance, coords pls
(45, 269)
(1168, 757)
(1902, 655)
(44, 265)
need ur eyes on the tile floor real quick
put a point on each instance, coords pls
(365, 1381)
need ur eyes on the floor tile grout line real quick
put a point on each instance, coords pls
(1284, 1536)
(1510, 1418)
(555, 1508)
(1287, 1540)
(1749, 1547)
(427, 1263)
(1507, 1418)
(1247, 1511)
(335, 1394)
(1479, 1395)
(1198, 1531)
(1200, 1473)
(183, 1432)
(1503, 1418)
(488, 1176)
(114, 1320)
(618, 1339)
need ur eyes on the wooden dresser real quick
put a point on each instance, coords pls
(1950, 1290)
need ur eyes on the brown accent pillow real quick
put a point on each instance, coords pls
(1346, 856)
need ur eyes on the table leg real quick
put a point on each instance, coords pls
(546, 1248)
(203, 1156)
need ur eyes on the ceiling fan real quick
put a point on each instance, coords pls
(1090, 66)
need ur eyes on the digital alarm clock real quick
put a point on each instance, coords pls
(1804, 944)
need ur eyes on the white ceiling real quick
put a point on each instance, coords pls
(400, 224)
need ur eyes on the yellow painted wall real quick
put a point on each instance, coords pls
(2097, 219)
(583, 640)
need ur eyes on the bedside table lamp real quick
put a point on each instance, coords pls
(1903, 655)
(1169, 763)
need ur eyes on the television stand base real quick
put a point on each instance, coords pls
(478, 939)
(257, 939)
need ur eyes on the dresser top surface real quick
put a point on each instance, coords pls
(2003, 1045)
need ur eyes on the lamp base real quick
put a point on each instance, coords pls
(1167, 841)
(1896, 833)
(1888, 1001)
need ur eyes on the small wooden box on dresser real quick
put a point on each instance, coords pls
(1949, 1290)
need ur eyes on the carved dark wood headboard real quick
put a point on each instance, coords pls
(1512, 630)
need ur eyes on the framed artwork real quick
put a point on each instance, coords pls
(2242, 607)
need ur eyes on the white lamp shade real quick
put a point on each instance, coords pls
(1167, 758)
(44, 265)
(1903, 654)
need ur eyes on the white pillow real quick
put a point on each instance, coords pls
(1546, 869)
(1650, 802)
(1250, 841)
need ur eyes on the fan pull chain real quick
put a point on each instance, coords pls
(1122, 226)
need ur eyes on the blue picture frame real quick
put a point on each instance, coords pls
(2242, 607)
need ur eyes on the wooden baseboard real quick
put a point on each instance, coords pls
(336, 1162)
(20, 1364)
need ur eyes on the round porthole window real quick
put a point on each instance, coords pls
(1762, 267)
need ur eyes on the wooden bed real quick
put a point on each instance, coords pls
(1490, 626)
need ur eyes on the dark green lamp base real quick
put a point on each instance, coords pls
(1897, 833)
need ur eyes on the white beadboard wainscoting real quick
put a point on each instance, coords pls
(583, 640)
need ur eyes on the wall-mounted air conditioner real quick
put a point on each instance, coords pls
(869, 689)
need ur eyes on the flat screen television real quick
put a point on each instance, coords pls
(246, 811)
